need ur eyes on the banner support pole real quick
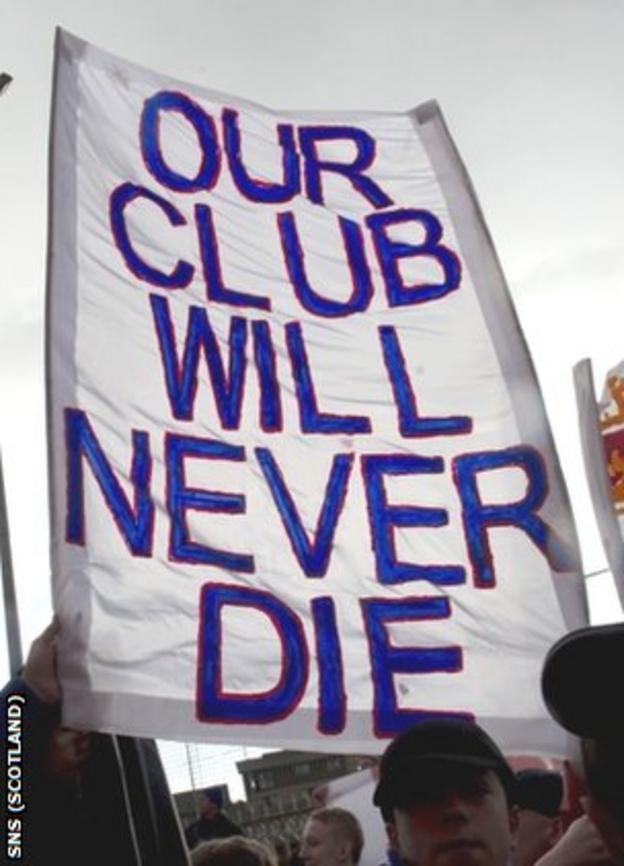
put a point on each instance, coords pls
(11, 615)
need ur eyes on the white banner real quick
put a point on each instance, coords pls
(602, 440)
(304, 490)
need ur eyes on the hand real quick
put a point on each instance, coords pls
(67, 752)
(580, 845)
(40, 672)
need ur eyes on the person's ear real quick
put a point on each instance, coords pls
(344, 852)
(555, 831)
(391, 832)
(514, 822)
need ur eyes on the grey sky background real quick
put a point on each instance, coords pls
(532, 93)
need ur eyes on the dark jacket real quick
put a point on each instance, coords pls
(118, 811)
(219, 827)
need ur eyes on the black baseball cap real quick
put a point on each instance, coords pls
(581, 681)
(539, 790)
(416, 757)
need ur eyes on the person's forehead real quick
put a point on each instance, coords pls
(531, 816)
(313, 826)
(319, 829)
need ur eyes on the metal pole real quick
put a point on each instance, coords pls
(11, 615)
(192, 777)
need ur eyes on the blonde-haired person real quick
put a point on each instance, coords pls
(234, 851)
(332, 837)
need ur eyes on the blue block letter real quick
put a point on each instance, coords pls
(310, 419)
(203, 127)
(356, 257)
(478, 517)
(251, 708)
(332, 694)
(410, 424)
(364, 143)
(264, 356)
(383, 518)
(216, 290)
(135, 523)
(313, 557)
(181, 378)
(387, 660)
(122, 196)
(181, 499)
(261, 190)
(390, 252)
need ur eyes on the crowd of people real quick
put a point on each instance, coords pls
(446, 793)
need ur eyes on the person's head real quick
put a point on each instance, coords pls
(210, 802)
(235, 851)
(538, 798)
(446, 794)
(332, 837)
(580, 684)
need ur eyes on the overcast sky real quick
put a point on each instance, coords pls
(531, 91)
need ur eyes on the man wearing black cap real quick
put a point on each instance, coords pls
(581, 683)
(538, 798)
(446, 794)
